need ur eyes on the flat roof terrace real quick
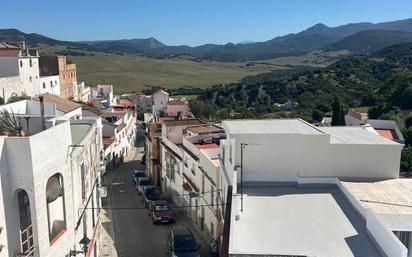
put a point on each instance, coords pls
(315, 221)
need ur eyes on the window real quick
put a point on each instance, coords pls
(26, 230)
(56, 214)
(21, 64)
(404, 237)
(212, 196)
(44, 85)
(193, 169)
(51, 83)
(30, 79)
(230, 153)
(31, 63)
(83, 182)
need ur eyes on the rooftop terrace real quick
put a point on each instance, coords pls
(284, 219)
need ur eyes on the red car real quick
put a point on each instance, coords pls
(160, 212)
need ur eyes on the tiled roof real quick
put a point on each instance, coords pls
(7, 50)
(108, 141)
(205, 129)
(184, 122)
(388, 133)
(176, 102)
(121, 126)
(126, 102)
(62, 104)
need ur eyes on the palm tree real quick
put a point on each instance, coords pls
(9, 123)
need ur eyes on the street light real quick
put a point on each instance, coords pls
(84, 243)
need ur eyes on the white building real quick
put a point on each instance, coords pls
(190, 170)
(385, 128)
(19, 71)
(290, 195)
(64, 107)
(119, 132)
(49, 204)
(50, 85)
(160, 100)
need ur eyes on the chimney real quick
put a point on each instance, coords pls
(43, 120)
(23, 45)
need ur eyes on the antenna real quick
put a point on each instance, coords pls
(242, 146)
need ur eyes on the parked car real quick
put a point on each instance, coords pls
(138, 174)
(143, 182)
(182, 243)
(150, 194)
(160, 212)
(143, 160)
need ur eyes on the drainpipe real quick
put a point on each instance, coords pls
(43, 120)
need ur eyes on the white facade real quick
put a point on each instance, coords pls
(190, 172)
(293, 151)
(160, 100)
(20, 74)
(294, 148)
(50, 84)
(53, 189)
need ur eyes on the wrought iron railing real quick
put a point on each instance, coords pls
(27, 241)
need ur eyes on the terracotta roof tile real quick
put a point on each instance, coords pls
(62, 104)
(205, 129)
(184, 122)
(176, 102)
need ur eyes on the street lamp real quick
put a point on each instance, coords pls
(84, 243)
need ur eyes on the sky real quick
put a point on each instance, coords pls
(191, 22)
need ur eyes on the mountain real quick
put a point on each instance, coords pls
(355, 79)
(370, 40)
(34, 40)
(313, 38)
(127, 45)
(356, 37)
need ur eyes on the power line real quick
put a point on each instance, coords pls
(205, 192)
(145, 208)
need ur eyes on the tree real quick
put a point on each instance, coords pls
(15, 98)
(338, 117)
(406, 159)
(1, 100)
(317, 115)
(408, 121)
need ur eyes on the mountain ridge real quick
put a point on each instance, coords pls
(316, 37)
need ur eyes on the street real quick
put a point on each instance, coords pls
(132, 228)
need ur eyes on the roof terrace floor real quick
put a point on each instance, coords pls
(310, 221)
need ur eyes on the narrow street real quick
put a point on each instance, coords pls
(132, 231)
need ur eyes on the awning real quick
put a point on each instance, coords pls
(189, 181)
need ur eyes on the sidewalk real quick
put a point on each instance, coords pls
(202, 238)
(107, 236)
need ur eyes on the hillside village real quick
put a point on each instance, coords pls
(79, 163)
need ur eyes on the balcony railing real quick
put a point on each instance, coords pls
(27, 241)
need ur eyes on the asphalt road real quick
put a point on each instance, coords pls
(135, 234)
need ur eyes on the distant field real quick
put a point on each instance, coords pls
(132, 72)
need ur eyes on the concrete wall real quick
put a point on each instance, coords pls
(268, 156)
(10, 85)
(50, 84)
(160, 100)
(30, 75)
(27, 163)
(9, 66)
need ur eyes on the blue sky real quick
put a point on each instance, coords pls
(192, 22)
